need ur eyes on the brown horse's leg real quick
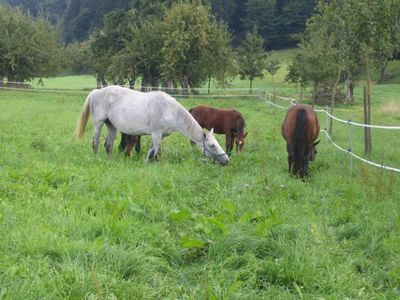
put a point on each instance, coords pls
(137, 144)
(229, 143)
(290, 157)
(122, 144)
(129, 145)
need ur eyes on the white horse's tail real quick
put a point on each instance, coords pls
(83, 118)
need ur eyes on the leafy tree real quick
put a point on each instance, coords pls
(276, 21)
(51, 10)
(272, 66)
(252, 58)
(344, 34)
(260, 15)
(316, 60)
(81, 18)
(188, 30)
(220, 60)
(29, 47)
(79, 58)
(224, 10)
(108, 42)
(144, 49)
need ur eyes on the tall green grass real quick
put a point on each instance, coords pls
(77, 225)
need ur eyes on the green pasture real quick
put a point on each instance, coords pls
(82, 226)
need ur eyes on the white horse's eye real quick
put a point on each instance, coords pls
(212, 145)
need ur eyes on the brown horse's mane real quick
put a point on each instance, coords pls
(240, 120)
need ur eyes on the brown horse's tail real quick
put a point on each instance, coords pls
(299, 140)
(83, 118)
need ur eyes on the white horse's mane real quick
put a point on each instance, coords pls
(189, 123)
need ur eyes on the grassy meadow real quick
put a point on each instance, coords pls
(81, 226)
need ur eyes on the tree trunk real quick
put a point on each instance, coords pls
(251, 86)
(382, 70)
(301, 93)
(330, 130)
(99, 82)
(170, 86)
(132, 83)
(10, 78)
(273, 88)
(209, 83)
(349, 87)
(154, 84)
(185, 84)
(145, 82)
(315, 90)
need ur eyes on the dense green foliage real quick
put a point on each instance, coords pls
(252, 58)
(346, 36)
(75, 225)
(182, 45)
(29, 47)
(342, 36)
(274, 20)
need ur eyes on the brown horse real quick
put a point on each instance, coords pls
(300, 129)
(224, 121)
(127, 143)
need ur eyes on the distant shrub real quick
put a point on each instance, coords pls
(324, 94)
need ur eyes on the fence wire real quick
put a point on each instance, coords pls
(237, 92)
(266, 97)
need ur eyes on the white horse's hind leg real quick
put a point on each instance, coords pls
(96, 135)
(112, 132)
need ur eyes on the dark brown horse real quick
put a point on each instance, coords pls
(127, 143)
(300, 129)
(224, 121)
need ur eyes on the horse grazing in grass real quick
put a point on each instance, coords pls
(127, 143)
(136, 113)
(300, 129)
(224, 121)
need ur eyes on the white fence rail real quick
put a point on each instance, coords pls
(267, 97)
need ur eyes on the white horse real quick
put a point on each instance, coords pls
(136, 113)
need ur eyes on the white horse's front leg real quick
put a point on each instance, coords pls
(155, 148)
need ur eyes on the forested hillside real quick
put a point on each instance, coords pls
(274, 20)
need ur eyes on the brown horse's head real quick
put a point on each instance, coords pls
(240, 139)
(313, 152)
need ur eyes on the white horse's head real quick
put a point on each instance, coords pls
(213, 149)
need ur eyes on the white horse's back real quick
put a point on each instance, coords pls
(133, 112)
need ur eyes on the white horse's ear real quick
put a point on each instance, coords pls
(212, 131)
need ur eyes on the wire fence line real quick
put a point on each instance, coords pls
(266, 96)
(258, 92)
